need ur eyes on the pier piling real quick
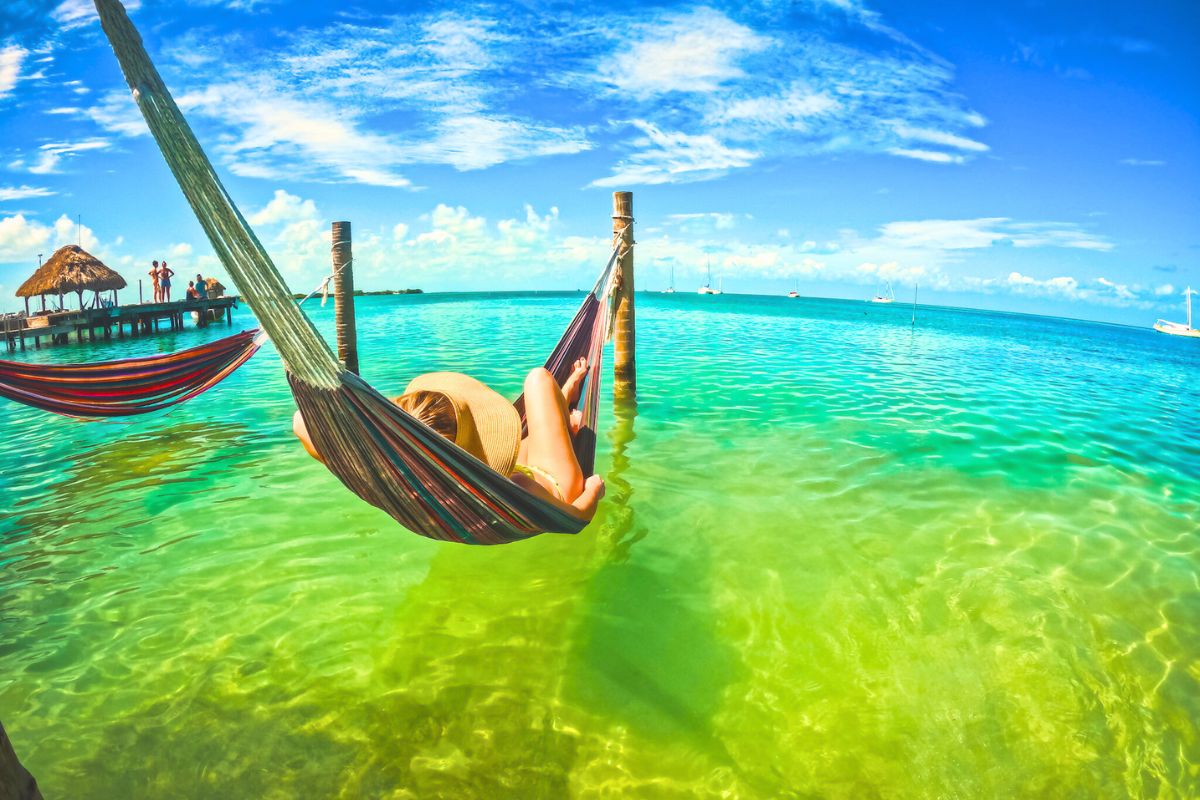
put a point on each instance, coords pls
(343, 297)
(624, 361)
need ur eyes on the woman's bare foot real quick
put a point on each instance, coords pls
(573, 387)
(575, 421)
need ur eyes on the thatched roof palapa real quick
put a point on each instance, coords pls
(71, 269)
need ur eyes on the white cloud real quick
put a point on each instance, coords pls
(1142, 162)
(941, 138)
(711, 91)
(21, 239)
(115, 112)
(794, 110)
(282, 136)
(316, 118)
(1065, 285)
(180, 250)
(934, 156)
(284, 207)
(963, 234)
(50, 156)
(693, 52)
(8, 193)
(77, 13)
(1119, 290)
(476, 141)
(11, 57)
(667, 157)
(1165, 290)
(714, 219)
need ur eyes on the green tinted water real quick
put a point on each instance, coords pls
(838, 559)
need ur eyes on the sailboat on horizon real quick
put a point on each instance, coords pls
(1179, 328)
(794, 293)
(707, 287)
(888, 297)
(671, 289)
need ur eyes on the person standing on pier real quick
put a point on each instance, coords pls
(154, 282)
(201, 287)
(165, 274)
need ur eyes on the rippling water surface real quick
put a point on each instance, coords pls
(840, 558)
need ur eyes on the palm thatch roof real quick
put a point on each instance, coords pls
(71, 269)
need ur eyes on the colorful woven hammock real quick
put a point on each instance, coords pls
(378, 451)
(128, 386)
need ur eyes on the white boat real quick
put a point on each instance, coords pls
(671, 289)
(707, 287)
(1179, 328)
(794, 293)
(889, 297)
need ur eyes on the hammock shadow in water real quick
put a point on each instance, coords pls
(615, 523)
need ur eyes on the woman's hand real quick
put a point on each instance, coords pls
(589, 498)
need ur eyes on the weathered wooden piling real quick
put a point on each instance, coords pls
(15, 781)
(624, 361)
(343, 297)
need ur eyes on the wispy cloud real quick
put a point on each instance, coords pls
(49, 156)
(967, 234)
(11, 57)
(932, 156)
(707, 90)
(1142, 162)
(77, 13)
(689, 52)
(9, 193)
(674, 157)
(735, 78)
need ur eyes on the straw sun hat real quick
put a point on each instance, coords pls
(489, 428)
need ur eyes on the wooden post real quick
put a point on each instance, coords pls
(624, 361)
(15, 780)
(343, 297)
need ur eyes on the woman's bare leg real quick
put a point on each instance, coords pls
(548, 444)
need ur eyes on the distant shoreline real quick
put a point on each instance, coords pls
(364, 293)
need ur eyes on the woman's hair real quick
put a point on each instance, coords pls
(432, 408)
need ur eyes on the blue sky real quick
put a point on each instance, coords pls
(1028, 156)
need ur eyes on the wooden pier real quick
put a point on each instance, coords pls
(141, 320)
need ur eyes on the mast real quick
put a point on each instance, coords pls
(1188, 294)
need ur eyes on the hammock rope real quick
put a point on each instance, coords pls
(377, 450)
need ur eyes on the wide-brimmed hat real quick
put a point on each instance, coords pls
(489, 427)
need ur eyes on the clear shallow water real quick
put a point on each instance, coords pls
(839, 558)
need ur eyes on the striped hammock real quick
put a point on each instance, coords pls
(127, 386)
(378, 451)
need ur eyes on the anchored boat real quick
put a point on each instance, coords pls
(1178, 328)
(888, 297)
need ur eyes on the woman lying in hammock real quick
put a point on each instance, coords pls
(483, 423)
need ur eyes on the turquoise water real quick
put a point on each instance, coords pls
(840, 558)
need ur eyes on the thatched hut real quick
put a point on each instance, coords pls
(70, 269)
